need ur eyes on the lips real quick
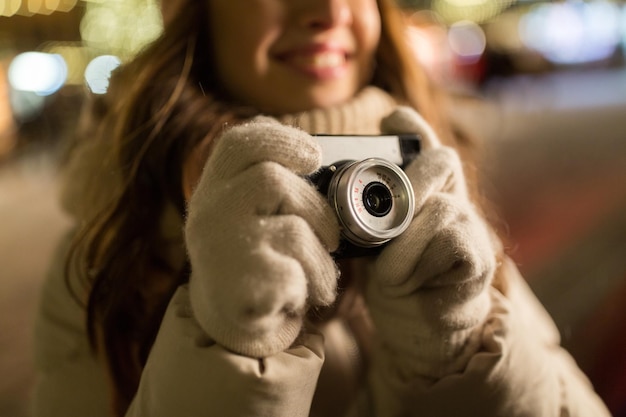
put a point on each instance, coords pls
(320, 60)
(317, 60)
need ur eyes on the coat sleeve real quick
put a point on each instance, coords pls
(186, 374)
(69, 379)
(519, 371)
(189, 375)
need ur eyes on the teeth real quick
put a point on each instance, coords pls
(323, 60)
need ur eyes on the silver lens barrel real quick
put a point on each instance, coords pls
(373, 199)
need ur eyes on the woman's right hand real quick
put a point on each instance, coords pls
(259, 238)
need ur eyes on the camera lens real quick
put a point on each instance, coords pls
(377, 199)
(373, 200)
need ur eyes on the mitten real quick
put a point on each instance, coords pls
(426, 290)
(259, 238)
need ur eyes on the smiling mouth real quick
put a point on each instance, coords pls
(318, 63)
(320, 60)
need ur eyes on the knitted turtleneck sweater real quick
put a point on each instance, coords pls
(361, 115)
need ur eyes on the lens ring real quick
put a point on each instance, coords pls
(346, 195)
(377, 199)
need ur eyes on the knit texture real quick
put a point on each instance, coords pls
(259, 238)
(427, 289)
(360, 116)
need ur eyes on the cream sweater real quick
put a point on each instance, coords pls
(519, 369)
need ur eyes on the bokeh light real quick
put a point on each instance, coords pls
(467, 40)
(572, 32)
(98, 72)
(37, 72)
(623, 26)
(121, 27)
(9, 7)
(478, 11)
(31, 7)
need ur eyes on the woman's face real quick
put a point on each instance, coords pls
(285, 56)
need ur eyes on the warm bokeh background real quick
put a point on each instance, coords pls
(551, 80)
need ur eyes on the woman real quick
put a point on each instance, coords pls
(202, 260)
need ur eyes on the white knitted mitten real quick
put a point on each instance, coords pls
(259, 238)
(427, 289)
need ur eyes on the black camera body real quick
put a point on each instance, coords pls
(364, 181)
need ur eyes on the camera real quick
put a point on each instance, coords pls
(364, 181)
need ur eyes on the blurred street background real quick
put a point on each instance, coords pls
(542, 84)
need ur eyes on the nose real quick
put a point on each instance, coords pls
(325, 14)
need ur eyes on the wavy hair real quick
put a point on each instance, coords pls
(160, 116)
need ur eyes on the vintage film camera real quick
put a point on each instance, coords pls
(363, 180)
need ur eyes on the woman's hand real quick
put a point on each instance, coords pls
(259, 238)
(427, 289)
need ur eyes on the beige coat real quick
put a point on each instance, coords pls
(520, 369)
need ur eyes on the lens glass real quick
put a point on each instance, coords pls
(377, 199)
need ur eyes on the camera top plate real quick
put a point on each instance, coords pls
(398, 149)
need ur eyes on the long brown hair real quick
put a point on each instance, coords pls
(161, 113)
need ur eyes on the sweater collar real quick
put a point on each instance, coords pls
(361, 115)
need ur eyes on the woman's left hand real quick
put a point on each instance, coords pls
(427, 289)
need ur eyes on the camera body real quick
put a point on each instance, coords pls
(364, 181)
